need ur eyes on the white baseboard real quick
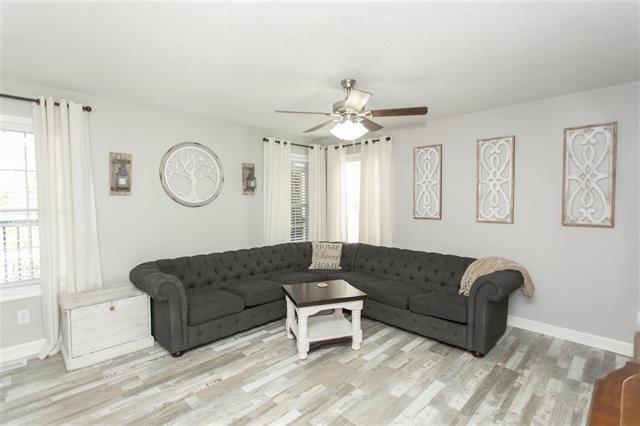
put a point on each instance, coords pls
(21, 352)
(575, 336)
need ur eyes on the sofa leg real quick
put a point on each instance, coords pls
(476, 354)
(177, 354)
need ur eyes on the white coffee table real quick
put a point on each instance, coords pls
(305, 300)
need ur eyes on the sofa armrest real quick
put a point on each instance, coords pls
(169, 310)
(496, 286)
(489, 308)
(160, 286)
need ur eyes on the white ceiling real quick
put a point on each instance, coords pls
(239, 62)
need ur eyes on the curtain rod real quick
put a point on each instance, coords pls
(290, 143)
(360, 143)
(37, 101)
(336, 147)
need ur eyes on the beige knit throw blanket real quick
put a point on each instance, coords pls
(487, 265)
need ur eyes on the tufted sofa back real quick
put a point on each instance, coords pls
(216, 268)
(432, 271)
(348, 255)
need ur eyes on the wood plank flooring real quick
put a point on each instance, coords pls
(256, 378)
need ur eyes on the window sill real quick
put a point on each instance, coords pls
(20, 291)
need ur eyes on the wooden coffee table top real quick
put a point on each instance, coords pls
(309, 294)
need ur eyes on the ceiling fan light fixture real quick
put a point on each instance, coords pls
(348, 130)
(352, 116)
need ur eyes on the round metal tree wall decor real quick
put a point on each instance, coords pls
(191, 174)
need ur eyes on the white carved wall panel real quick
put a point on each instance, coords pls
(588, 193)
(496, 170)
(427, 182)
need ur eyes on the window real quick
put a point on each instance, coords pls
(299, 198)
(353, 197)
(19, 233)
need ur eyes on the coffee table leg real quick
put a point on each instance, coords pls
(303, 343)
(356, 330)
(290, 318)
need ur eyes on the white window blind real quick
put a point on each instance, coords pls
(19, 234)
(299, 199)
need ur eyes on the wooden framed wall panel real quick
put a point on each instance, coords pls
(427, 182)
(589, 175)
(495, 179)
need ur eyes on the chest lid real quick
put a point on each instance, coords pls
(100, 295)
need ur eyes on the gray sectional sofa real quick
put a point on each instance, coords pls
(196, 300)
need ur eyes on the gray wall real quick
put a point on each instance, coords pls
(586, 278)
(149, 225)
(12, 334)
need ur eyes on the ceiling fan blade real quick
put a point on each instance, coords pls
(357, 99)
(305, 112)
(370, 125)
(319, 126)
(397, 112)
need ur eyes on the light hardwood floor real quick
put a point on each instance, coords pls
(256, 378)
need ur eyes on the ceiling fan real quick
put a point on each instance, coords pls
(351, 118)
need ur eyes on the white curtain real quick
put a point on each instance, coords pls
(336, 193)
(277, 191)
(69, 258)
(317, 193)
(376, 192)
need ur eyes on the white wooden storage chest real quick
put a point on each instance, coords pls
(101, 324)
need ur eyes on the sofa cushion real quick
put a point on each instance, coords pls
(209, 303)
(392, 293)
(452, 307)
(255, 292)
(297, 277)
(357, 277)
(329, 274)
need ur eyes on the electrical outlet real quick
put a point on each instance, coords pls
(24, 317)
